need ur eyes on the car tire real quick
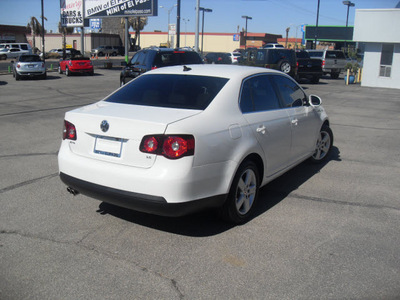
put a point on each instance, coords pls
(17, 76)
(323, 145)
(335, 75)
(121, 82)
(44, 76)
(315, 80)
(91, 73)
(285, 67)
(59, 70)
(243, 194)
(67, 72)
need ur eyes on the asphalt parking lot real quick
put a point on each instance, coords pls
(327, 231)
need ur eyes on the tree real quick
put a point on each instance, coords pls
(35, 28)
(64, 31)
(137, 23)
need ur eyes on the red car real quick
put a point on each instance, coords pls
(72, 65)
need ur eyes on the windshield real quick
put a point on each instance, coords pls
(169, 90)
(29, 58)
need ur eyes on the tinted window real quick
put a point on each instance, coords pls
(302, 54)
(316, 53)
(140, 58)
(291, 93)
(258, 95)
(24, 47)
(164, 59)
(29, 58)
(334, 54)
(174, 91)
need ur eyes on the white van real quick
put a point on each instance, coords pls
(20, 46)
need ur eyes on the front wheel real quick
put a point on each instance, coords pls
(243, 194)
(323, 145)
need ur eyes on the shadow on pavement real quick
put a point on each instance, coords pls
(207, 223)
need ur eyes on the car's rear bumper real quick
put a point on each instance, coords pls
(140, 202)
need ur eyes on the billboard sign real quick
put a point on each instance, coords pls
(71, 13)
(120, 8)
(95, 24)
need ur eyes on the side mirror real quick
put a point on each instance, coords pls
(314, 100)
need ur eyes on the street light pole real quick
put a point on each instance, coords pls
(169, 13)
(348, 3)
(202, 25)
(245, 38)
(316, 28)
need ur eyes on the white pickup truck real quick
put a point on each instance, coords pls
(333, 61)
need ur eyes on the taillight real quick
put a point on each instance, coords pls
(154, 67)
(323, 62)
(69, 132)
(18, 66)
(170, 146)
(267, 66)
(42, 65)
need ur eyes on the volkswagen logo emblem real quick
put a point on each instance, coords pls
(104, 126)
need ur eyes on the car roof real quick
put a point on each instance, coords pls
(224, 71)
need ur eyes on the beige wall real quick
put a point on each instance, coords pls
(212, 42)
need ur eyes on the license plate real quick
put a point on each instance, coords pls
(109, 146)
(31, 66)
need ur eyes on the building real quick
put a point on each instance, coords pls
(378, 29)
(13, 34)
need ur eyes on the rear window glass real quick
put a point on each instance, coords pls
(173, 91)
(302, 54)
(29, 58)
(335, 54)
(24, 47)
(316, 53)
(165, 59)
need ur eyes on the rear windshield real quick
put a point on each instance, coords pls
(165, 59)
(316, 53)
(29, 58)
(78, 58)
(335, 54)
(173, 91)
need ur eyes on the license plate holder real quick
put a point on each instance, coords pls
(109, 146)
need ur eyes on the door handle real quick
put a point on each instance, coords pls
(261, 129)
(295, 121)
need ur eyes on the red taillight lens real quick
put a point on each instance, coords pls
(170, 146)
(323, 62)
(18, 66)
(69, 132)
(150, 145)
(154, 67)
(42, 65)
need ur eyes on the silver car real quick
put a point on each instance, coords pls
(29, 66)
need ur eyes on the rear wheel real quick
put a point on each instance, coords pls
(243, 194)
(17, 76)
(323, 145)
(334, 75)
(285, 66)
(315, 79)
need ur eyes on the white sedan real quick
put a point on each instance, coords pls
(179, 139)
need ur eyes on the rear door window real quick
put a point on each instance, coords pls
(172, 91)
(24, 47)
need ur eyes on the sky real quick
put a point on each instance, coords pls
(268, 16)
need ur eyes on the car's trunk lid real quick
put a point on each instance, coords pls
(127, 124)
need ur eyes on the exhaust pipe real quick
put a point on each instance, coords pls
(72, 191)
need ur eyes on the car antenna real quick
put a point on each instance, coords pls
(185, 69)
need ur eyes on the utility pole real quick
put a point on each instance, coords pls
(43, 50)
(196, 38)
(178, 23)
(316, 28)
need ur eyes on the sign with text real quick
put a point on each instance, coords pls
(71, 13)
(120, 8)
